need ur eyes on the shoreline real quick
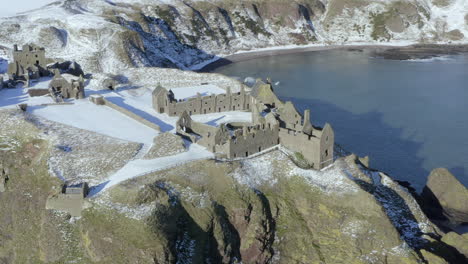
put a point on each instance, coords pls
(397, 51)
(284, 50)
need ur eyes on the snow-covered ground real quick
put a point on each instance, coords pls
(18, 6)
(204, 90)
(9, 98)
(142, 167)
(104, 120)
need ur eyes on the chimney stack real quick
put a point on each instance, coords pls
(306, 116)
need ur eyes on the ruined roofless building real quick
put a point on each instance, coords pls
(28, 63)
(70, 199)
(314, 144)
(61, 87)
(278, 123)
(165, 102)
(237, 143)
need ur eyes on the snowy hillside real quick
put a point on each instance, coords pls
(107, 36)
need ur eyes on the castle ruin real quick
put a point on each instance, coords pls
(3, 178)
(28, 63)
(61, 87)
(277, 123)
(70, 199)
(165, 102)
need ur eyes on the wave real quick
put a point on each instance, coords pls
(432, 59)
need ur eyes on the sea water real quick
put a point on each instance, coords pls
(408, 116)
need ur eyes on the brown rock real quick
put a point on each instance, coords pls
(431, 258)
(446, 196)
(457, 241)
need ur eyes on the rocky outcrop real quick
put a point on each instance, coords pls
(70, 67)
(459, 242)
(259, 210)
(445, 197)
(188, 34)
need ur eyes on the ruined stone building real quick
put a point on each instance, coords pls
(70, 199)
(277, 123)
(262, 93)
(28, 63)
(64, 86)
(165, 102)
(228, 141)
(3, 177)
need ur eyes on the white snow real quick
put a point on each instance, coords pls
(204, 90)
(18, 6)
(216, 119)
(141, 100)
(101, 119)
(141, 167)
(10, 98)
(453, 15)
(330, 179)
(104, 120)
(258, 170)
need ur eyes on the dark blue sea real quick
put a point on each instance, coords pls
(408, 116)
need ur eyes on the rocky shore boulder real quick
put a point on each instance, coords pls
(460, 242)
(445, 197)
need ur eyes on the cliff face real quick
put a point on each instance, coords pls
(110, 35)
(261, 210)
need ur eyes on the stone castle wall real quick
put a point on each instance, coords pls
(203, 104)
(30, 55)
(71, 203)
(317, 148)
(281, 125)
(29, 61)
(132, 115)
(256, 139)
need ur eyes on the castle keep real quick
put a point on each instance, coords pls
(28, 63)
(277, 123)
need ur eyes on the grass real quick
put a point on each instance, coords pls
(379, 30)
(251, 24)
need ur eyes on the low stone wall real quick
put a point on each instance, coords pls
(72, 204)
(38, 92)
(53, 104)
(132, 115)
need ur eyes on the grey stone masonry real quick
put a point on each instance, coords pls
(28, 63)
(3, 178)
(69, 200)
(165, 102)
(60, 87)
(277, 123)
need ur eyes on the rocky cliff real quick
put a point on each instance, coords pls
(260, 210)
(110, 35)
